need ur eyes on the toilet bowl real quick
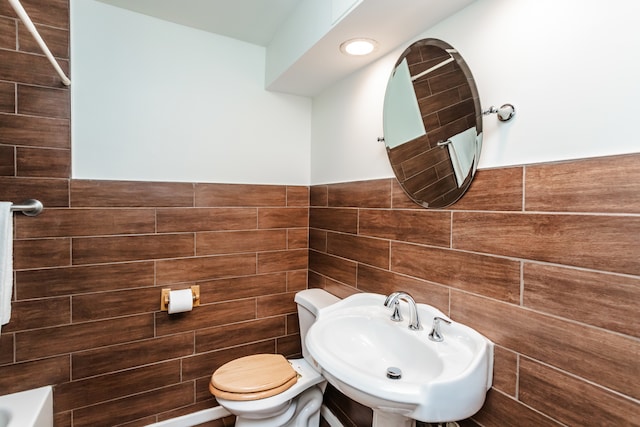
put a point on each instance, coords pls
(267, 390)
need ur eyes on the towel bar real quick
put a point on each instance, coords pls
(30, 207)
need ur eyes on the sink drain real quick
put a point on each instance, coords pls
(394, 373)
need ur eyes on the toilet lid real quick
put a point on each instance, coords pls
(253, 377)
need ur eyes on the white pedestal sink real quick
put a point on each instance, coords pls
(31, 408)
(355, 344)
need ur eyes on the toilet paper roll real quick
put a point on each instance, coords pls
(180, 301)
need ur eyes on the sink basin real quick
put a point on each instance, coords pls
(31, 408)
(355, 343)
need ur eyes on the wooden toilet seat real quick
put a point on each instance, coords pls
(253, 377)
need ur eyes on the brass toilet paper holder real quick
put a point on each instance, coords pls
(164, 297)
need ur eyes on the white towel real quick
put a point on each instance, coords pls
(6, 261)
(478, 151)
(462, 151)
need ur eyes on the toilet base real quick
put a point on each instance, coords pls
(303, 411)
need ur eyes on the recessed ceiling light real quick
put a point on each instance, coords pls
(358, 47)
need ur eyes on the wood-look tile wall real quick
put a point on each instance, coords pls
(544, 260)
(89, 269)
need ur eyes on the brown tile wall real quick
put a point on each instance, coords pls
(544, 260)
(89, 269)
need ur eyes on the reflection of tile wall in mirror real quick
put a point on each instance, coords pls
(448, 103)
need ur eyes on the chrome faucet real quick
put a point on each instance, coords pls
(393, 300)
(435, 334)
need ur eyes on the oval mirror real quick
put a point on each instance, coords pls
(432, 123)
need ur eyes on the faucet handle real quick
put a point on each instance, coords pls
(435, 334)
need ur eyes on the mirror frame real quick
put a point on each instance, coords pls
(449, 105)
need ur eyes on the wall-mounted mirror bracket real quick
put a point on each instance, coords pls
(505, 112)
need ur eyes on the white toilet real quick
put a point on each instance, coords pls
(267, 390)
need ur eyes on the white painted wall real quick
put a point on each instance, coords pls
(191, 106)
(570, 67)
(310, 20)
(156, 101)
(347, 120)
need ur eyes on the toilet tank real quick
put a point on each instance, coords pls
(309, 302)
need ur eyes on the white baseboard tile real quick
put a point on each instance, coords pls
(194, 418)
(219, 412)
(329, 417)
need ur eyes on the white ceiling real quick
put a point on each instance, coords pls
(390, 22)
(252, 21)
